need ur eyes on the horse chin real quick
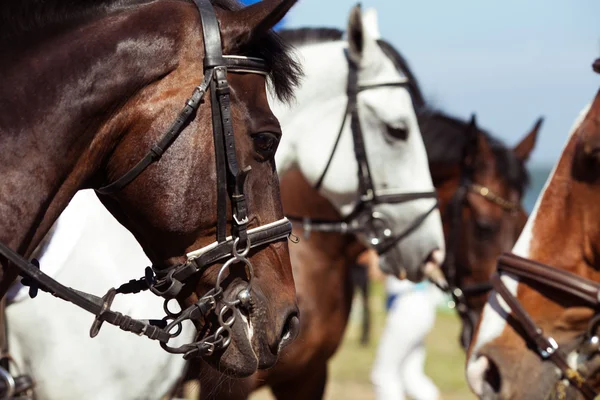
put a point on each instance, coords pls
(392, 263)
(239, 358)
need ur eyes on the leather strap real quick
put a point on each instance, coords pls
(389, 243)
(561, 280)
(156, 152)
(213, 49)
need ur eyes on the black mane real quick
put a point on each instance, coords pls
(302, 36)
(444, 137)
(22, 20)
(305, 36)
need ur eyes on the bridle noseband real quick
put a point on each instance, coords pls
(363, 216)
(234, 249)
(585, 290)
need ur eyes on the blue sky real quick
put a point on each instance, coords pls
(509, 61)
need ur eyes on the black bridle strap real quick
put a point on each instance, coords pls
(389, 243)
(335, 146)
(156, 152)
(89, 302)
(213, 52)
(352, 90)
(346, 225)
(365, 180)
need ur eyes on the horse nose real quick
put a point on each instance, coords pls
(432, 267)
(484, 378)
(289, 330)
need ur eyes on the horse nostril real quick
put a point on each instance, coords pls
(492, 377)
(290, 330)
(483, 377)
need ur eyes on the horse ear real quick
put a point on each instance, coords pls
(596, 66)
(470, 149)
(255, 20)
(355, 34)
(589, 135)
(525, 147)
(363, 32)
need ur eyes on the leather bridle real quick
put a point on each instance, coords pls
(584, 290)
(458, 291)
(364, 218)
(233, 249)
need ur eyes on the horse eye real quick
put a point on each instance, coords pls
(265, 144)
(486, 230)
(397, 132)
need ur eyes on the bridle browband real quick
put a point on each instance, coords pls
(169, 282)
(368, 195)
(584, 290)
(457, 290)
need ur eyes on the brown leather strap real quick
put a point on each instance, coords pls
(564, 281)
(560, 280)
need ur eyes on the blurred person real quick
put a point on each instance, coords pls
(398, 370)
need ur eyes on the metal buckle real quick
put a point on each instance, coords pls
(548, 351)
(244, 220)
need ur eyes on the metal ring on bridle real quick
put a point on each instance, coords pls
(236, 252)
(226, 266)
(10, 383)
(221, 315)
(169, 312)
(220, 338)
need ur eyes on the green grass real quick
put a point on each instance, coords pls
(351, 367)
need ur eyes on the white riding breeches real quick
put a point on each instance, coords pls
(398, 369)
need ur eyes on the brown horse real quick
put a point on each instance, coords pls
(320, 262)
(538, 335)
(89, 86)
(480, 184)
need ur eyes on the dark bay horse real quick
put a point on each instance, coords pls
(90, 86)
(538, 337)
(324, 288)
(480, 184)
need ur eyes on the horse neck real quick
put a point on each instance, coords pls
(301, 199)
(321, 99)
(63, 114)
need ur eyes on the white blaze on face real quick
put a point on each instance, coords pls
(493, 318)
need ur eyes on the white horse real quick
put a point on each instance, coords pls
(48, 338)
(394, 146)
(398, 164)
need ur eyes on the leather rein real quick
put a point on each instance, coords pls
(383, 240)
(233, 249)
(584, 290)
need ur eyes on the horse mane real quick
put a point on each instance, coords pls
(445, 136)
(304, 36)
(402, 65)
(38, 19)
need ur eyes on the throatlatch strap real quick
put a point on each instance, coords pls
(159, 148)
